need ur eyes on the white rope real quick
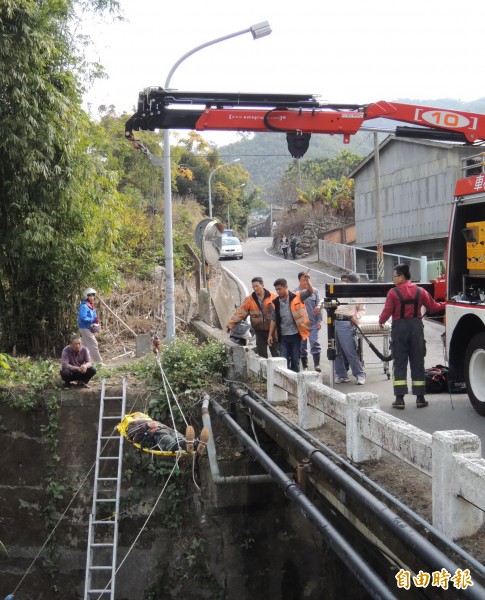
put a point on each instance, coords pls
(143, 526)
(166, 384)
(193, 473)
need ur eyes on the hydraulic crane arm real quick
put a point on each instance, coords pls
(296, 115)
(471, 126)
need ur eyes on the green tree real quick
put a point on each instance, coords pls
(193, 162)
(140, 244)
(313, 172)
(56, 197)
(335, 195)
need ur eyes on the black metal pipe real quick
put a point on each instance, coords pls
(419, 545)
(379, 489)
(355, 563)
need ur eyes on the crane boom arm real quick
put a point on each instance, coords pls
(295, 115)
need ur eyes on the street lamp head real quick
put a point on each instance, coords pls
(260, 30)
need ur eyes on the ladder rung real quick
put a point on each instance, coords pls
(106, 500)
(108, 457)
(102, 545)
(101, 568)
(111, 418)
(103, 522)
(113, 398)
(108, 591)
(107, 479)
(115, 438)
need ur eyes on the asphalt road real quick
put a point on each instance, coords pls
(444, 412)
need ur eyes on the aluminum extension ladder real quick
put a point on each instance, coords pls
(103, 520)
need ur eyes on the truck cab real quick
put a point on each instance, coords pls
(465, 310)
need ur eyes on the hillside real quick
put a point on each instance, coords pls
(266, 156)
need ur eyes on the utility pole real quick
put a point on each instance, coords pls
(378, 209)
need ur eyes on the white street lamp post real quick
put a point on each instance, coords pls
(259, 30)
(210, 177)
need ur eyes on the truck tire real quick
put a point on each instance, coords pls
(475, 372)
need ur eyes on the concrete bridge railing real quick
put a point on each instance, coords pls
(451, 458)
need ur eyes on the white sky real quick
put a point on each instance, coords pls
(347, 52)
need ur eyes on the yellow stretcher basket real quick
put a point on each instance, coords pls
(131, 418)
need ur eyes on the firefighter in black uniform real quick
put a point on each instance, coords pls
(403, 304)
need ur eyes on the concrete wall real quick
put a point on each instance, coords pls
(23, 473)
(342, 235)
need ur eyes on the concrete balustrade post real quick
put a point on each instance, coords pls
(275, 393)
(308, 416)
(360, 449)
(453, 515)
(254, 362)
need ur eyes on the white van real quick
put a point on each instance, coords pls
(230, 248)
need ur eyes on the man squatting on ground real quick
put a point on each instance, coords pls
(345, 317)
(76, 364)
(258, 306)
(404, 304)
(153, 435)
(315, 316)
(290, 319)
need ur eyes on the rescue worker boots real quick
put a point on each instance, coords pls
(399, 403)
(316, 362)
(421, 402)
(304, 362)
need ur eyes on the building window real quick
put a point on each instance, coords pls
(371, 268)
(435, 255)
(402, 261)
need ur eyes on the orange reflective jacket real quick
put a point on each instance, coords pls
(298, 310)
(260, 319)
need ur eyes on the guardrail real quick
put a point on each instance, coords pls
(451, 458)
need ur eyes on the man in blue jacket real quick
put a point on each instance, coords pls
(88, 324)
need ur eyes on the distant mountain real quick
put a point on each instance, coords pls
(266, 156)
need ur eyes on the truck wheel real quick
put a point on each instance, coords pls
(475, 372)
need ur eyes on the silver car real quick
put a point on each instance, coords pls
(230, 248)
